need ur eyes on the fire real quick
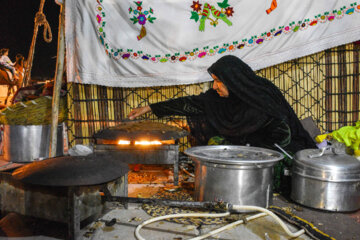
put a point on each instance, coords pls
(146, 143)
(142, 142)
(124, 142)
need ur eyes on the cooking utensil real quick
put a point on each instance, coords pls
(134, 130)
(30, 143)
(235, 174)
(325, 180)
(72, 171)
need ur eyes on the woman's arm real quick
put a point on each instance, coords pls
(136, 112)
(183, 106)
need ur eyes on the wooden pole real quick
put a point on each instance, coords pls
(57, 82)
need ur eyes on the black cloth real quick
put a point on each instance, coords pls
(255, 111)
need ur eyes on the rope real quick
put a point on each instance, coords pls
(40, 20)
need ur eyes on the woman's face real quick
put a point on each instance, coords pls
(220, 87)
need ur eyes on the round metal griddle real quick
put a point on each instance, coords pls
(72, 171)
(133, 130)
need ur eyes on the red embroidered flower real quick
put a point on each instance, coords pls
(139, 8)
(229, 11)
(196, 6)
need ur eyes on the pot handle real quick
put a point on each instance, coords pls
(333, 150)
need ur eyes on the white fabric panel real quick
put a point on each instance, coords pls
(90, 38)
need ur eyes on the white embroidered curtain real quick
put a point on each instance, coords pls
(123, 43)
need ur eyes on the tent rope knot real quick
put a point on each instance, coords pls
(40, 20)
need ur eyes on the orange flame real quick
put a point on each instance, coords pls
(140, 142)
(124, 142)
(146, 143)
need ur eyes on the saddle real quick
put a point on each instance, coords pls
(11, 77)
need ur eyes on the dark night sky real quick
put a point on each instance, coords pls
(17, 26)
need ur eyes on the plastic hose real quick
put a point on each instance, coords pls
(229, 226)
(137, 230)
(282, 224)
(233, 207)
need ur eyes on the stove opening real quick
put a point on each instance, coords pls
(143, 142)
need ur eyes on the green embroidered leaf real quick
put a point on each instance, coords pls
(195, 16)
(134, 19)
(223, 4)
(151, 19)
(138, 3)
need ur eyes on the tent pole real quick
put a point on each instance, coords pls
(57, 82)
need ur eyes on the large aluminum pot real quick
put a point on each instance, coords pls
(235, 174)
(28, 143)
(324, 180)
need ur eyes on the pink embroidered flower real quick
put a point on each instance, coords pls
(142, 19)
(98, 18)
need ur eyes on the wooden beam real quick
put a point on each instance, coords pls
(57, 82)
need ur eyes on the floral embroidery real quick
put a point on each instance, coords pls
(204, 13)
(272, 7)
(141, 18)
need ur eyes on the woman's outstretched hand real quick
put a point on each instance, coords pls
(136, 112)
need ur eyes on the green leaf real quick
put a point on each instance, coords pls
(134, 19)
(223, 4)
(195, 16)
(138, 4)
(151, 19)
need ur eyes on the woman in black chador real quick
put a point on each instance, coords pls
(241, 108)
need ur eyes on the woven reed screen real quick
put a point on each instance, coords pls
(324, 86)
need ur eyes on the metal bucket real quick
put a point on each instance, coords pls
(30, 143)
(234, 174)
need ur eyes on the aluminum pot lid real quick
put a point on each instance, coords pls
(326, 165)
(232, 154)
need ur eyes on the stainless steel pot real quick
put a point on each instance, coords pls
(324, 180)
(235, 174)
(28, 143)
